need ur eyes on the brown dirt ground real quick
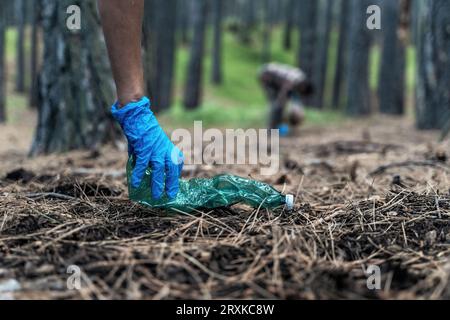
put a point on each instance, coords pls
(351, 212)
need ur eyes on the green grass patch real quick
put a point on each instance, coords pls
(15, 104)
(11, 39)
(11, 50)
(374, 67)
(411, 69)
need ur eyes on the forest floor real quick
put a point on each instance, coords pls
(374, 192)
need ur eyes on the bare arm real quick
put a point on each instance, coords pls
(282, 98)
(122, 26)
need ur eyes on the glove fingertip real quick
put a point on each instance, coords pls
(172, 192)
(157, 192)
(172, 182)
(157, 180)
(135, 182)
(138, 174)
(176, 156)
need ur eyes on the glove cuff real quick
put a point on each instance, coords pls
(123, 113)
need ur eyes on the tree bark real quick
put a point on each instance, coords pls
(160, 48)
(342, 54)
(249, 12)
(320, 73)
(308, 41)
(358, 93)
(308, 36)
(75, 83)
(193, 89)
(20, 45)
(217, 76)
(3, 4)
(433, 94)
(183, 20)
(291, 8)
(391, 88)
(34, 90)
(415, 20)
(267, 30)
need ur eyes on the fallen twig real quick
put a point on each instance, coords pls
(434, 164)
(52, 195)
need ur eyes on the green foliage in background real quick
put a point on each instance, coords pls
(15, 102)
(239, 101)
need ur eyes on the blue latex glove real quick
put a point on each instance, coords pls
(150, 146)
(284, 130)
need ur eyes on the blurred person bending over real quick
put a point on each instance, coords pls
(285, 85)
(147, 142)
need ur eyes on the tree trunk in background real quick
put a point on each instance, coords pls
(433, 93)
(342, 54)
(391, 88)
(308, 34)
(216, 75)
(231, 8)
(34, 90)
(320, 69)
(376, 36)
(183, 20)
(358, 93)
(75, 84)
(277, 12)
(160, 48)
(247, 12)
(20, 11)
(415, 14)
(3, 4)
(267, 30)
(193, 89)
(290, 10)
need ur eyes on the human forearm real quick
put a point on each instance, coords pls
(122, 25)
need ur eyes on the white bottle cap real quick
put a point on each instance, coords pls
(290, 202)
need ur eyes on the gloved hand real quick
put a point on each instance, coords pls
(150, 146)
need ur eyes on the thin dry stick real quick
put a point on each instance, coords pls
(327, 218)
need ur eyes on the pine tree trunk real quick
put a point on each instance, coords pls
(34, 54)
(160, 48)
(10, 12)
(75, 83)
(193, 88)
(183, 20)
(216, 76)
(291, 8)
(320, 69)
(247, 11)
(342, 54)
(3, 4)
(441, 31)
(267, 30)
(308, 41)
(308, 36)
(358, 93)
(391, 89)
(415, 20)
(250, 14)
(20, 45)
(433, 94)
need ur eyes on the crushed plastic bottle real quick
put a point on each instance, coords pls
(220, 191)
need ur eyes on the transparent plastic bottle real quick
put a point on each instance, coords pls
(220, 191)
